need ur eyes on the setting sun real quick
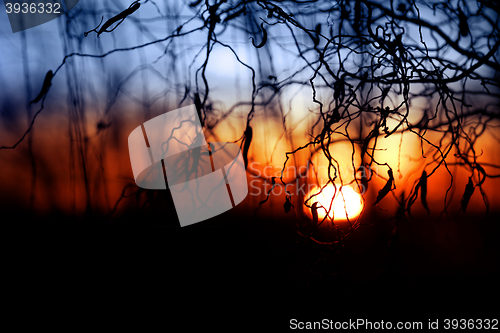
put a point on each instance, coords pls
(346, 200)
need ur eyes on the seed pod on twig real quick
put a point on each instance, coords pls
(482, 173)
(423, 190)
(288, 205)
(464, 27)
(469, 190)
(339, 89)
(246, 145)
(199, 107)
(314, 212)
(264, 38)
(120, 17)
(386, 189)
(317, 31)
(357, 15)
(47, 82)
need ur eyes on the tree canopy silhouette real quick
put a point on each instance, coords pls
(373, 70)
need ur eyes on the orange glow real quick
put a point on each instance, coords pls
(346, 200)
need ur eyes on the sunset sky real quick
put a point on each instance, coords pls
(73, 163)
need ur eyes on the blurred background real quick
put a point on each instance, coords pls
(391, 108)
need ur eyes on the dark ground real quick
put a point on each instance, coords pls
(233, 272)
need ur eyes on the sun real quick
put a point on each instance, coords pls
(347, 200)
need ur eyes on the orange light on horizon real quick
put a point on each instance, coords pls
(347, 202)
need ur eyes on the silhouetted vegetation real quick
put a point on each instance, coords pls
(374, 69)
